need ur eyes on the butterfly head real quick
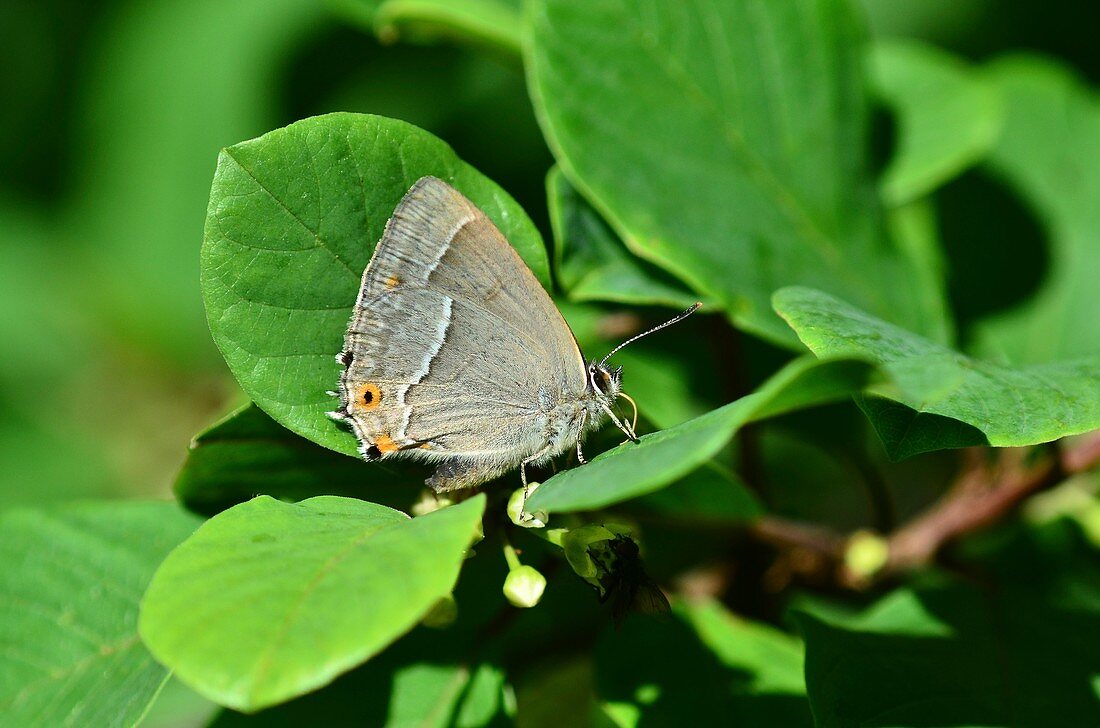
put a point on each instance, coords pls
(606, 383)
(604, 380)
(606, 386)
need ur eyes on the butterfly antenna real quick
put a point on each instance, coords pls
(655, 329)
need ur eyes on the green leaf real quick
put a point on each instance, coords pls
(430, 677)
(661, 458)
(948, 116)
(724, 142)
(709, 494)
(495, 23)
(293, 220)
(914, 228)
(248, 454)
(591, 262)
(705, 663)
(1022, 652)
(270, 600)
(1050, 153)
(69, 593)
(1009, 406)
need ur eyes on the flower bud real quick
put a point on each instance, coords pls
(429, 502)
(866, 553)
(519, 516)
(523, 586)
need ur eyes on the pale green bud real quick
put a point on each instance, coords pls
(522, 518)
(524, 585)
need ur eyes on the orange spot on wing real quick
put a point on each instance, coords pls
(385, 444)
(392, 282)
(367, 396)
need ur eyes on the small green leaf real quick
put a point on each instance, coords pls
(270, 600)
(1050, 152)
(495, 23)
(704, 663)
(69, 593)
(591, 262)
(948, 116)
(661, 458)
(726, 143)
(293, 220)
(1009, 406)
(248, 454)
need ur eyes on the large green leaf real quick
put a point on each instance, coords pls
(705, 663)
(69, 593)
(725, 142)
(591, 263)
(948, 116)
(661, 458)
(248, 454)
(1009, 406)
(1050, 152)
(270, 600)
(294, 217)
(1023, 651)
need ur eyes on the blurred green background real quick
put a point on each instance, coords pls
(111, 118)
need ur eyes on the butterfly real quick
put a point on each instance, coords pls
(455, 353)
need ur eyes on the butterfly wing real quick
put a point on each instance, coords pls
(454, 346)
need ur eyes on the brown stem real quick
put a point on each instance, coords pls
(986, 491)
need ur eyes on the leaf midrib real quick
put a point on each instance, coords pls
(265, 661)
(320, 242)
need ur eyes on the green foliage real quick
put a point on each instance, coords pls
(631, 470)
(248, 453)
(711, 664)
(948, 116)
(1019, 650)
(495, 23)
(269, 600)
(69, 595)
(719, 132)
(812, 183)
(1059, 399)
(592, 264)
(1047, 106)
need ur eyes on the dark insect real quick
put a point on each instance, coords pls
(623, 580)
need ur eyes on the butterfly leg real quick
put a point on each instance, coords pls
(580, 434)
(527, 461)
